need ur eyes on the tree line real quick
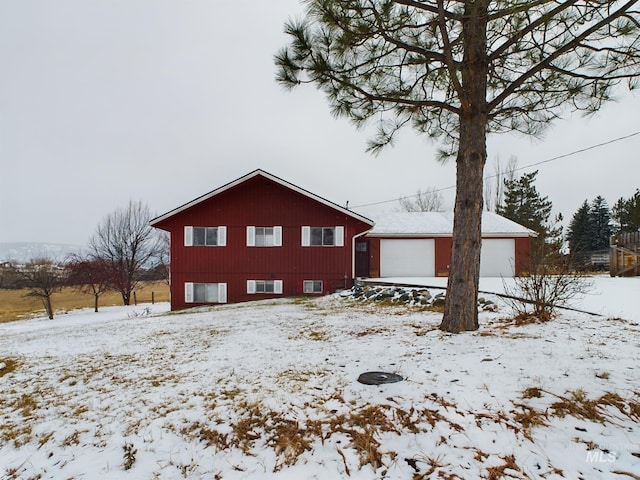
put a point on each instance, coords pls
(517, 198)
(457, 71)
(124, 251)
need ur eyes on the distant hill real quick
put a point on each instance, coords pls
(22, 252)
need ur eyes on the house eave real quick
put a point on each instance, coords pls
(154, 222)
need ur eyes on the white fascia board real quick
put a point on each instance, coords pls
(269, 176)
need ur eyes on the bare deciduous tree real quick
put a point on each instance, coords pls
(127, 244)
(429, 200)
(89, 275)
(494, 184)
(549, 286)
(42, 277)
(457, 70)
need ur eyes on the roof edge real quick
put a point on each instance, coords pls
(255, 173)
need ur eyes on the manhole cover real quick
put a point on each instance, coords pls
(378, 378)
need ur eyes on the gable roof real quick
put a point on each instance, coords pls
(268, 176)
(440, 224)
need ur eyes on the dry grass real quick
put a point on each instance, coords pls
(14, 305)
(8, 365)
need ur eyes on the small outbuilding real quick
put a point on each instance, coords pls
(418, 244)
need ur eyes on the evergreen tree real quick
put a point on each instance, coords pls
(579, 231)
(600, 224)
(626, 214)
(457, 71)
(524, 205)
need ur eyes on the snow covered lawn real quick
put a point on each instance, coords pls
(269, 390)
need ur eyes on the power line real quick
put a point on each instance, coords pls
(575, 152)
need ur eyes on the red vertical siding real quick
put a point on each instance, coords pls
(523, 256)
(259, 202)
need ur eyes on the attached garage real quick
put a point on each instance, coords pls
(407, 258)
(497, 257)
(418, 244)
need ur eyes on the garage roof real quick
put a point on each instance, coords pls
(440, 224)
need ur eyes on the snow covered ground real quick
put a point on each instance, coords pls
(269, 390)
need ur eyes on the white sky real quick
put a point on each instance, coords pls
(163, 101)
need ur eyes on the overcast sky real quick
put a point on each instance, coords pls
(106, 101)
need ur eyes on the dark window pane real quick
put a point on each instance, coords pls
(199, 292)
(198, 235)
(212, 236)
(327, 236)
(316, 236)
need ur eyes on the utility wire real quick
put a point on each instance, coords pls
(575, 152)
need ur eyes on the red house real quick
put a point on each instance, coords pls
(259, 237)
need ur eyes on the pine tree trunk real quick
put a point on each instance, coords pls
(461, 311)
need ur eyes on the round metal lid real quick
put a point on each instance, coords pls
(378, 378)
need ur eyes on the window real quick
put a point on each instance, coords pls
(264, 286)
(264, 236)
(312, 286)
(323, 236)
(205, 236)
(205, 293)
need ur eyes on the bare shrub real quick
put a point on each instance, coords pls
(536, 297)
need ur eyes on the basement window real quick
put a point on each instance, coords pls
(205, 292)
(264, 286)
(312, 286)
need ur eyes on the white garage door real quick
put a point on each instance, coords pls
(497, 257)
(407, 258)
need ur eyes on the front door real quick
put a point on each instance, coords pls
(362, 258)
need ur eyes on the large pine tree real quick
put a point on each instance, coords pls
(524, 204)
(626, 214)
(600, 219)
(579, 230)
(456, 71)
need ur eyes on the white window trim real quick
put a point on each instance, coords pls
(188, 292)
(222, 236)
(188, 236)
(304, 290)
(277, 236)
(338, 236)
(277, 287)
(306, 236)
(251, 236)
